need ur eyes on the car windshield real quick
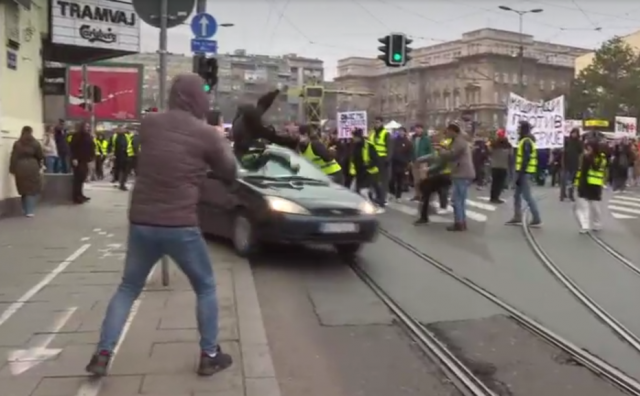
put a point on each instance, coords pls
(278, 169)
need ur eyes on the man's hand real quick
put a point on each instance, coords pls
(74, 162)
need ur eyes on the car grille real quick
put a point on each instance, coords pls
(335, 212)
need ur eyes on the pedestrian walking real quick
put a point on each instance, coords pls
(500, 151)
(590, 181)
(526, 167)
(25, 164)
(179, 149)
(462, 174)
(570, 163)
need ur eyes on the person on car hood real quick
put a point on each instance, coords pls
(179, 149)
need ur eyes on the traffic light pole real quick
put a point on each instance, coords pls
(164, 16)
(201, 6)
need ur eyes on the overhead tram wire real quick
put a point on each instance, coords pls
(587, 17)
(556, 5)
(281, 13)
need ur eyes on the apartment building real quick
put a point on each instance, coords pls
(243, 78)
(471, 76)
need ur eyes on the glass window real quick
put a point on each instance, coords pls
(277, 166)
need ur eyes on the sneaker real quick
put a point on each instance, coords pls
(209, 365)
(99, 363)
(535, 224)
(420, 222)
(584, 231)
(29, 215)
(513, 222)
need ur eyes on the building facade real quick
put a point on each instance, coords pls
(38, 33)
(469, 77)
(243, 78)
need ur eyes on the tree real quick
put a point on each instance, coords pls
(610, 86)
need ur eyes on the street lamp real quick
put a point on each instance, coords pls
(521, 14)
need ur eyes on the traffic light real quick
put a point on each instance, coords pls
(208, 69)
(395, 50)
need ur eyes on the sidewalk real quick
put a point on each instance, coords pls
(57, 273)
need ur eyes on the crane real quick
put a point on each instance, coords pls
(313, 97)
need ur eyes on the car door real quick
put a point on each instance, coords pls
(214, 206)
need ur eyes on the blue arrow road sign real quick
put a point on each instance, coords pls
(204, 26)
(202, 46)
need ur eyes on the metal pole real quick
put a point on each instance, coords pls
(201, 6)
(164, 11)
(521, 58)
(88, 98)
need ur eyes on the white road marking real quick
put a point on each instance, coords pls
(480, 205)
(620, 216)
(15, 307)
(624, 210)
(84, 239)
(92, 387)
(625, 198)
(22, 360)
(627, 203)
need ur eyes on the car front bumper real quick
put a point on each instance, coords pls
(309, 229)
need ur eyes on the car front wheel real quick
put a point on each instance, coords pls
(348, 250)
(243, 236)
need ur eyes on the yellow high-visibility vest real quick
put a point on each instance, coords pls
(595, 177)
(130, 151)
(366, 160)
(532, 166)
(329, 168)
(379, 141)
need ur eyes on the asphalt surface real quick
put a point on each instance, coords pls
(319, 317)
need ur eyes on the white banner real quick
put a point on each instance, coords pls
(546, 119)
(350, 120)
(626, 126)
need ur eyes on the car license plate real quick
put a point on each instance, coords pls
(338, 228)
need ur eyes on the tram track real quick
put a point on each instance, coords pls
(614, 253)
(596, 309)
(459, 374)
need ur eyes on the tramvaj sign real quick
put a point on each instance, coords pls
(546, 119)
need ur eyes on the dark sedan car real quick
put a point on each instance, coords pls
(285, 201)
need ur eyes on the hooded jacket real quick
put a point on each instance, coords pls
(179, 149)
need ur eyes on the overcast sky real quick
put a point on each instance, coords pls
(335, 29)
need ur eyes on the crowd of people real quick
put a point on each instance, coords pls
(77, 151)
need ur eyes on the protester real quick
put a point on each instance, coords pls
(500, 152)
(400, 160)
(462, 174)
(313, 149)
(526, 166)
(573, 148)
(421, 147)
(433, 179)
(590, 180)
(381, 140)
(26, 161)
(122, 149)
(82, 153)
(179, 149)
(364, 165)
(50, 150)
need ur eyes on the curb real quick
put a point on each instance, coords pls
(259, 372)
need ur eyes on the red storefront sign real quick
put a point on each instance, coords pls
(121, 87)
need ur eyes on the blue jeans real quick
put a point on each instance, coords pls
(28, 203)
(523, 191)
(50, 163)
(146, 246)
(459, 199)
(62, 164)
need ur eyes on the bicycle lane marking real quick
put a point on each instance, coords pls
(15, 306)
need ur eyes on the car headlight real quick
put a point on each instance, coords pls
(282, 205)
(368, 208)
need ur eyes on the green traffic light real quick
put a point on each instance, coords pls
(397, 57)
(207, 88)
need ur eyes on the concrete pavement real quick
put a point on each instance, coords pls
(57, 273)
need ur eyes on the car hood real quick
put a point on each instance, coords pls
(312, 196)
